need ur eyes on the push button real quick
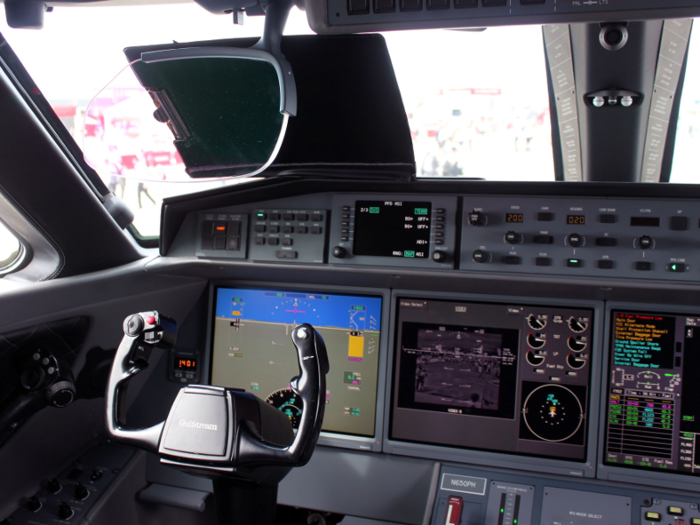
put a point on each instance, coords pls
(302, 217)
(274, 229)
(642, 266)
(511, 260)
(532, 2)
(219, 243)
(288, 216)
(357, 7)
(273, 241)
(288, 229)
(543, 239)
(316, 230)
(679, 223)
(574, 263)
(545, 216)
(220, 228)
(493, 3)
(606, 241)
(274, 216)
(676, 267)
(438, 4)
(652, 516)
(286, 254)
(606, 264)
(317, 217)
(287, 242)
(259, 240)
(302, 229)
(384, 6)
(233, 243)
(459, 4)
(607, 218)
(695, 521)
(208, 242)
(543, 261)
(675, 511)
(411, 5)
(234, 228)
(261, 216)
(260, 228)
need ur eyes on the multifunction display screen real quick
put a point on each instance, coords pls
(653, 419)
(253, 350)
(509, 378)
(392, 229)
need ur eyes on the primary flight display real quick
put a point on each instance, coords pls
(252, 350)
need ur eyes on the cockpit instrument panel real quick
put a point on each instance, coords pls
(252, 350)
(511, 378)
(653, 404)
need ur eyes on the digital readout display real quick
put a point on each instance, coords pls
(514, 217)
(185, 363)
(392, 229)
(576, 219)
(645, 221)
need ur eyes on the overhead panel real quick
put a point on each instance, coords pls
(346, 16)
(672, 52)
(557, 39)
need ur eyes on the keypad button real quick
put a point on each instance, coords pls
(273, 241)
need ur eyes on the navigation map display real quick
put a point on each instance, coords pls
(252, 350)
(503, 377)
(653, 419)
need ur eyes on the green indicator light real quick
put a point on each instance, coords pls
(573, 260)
(674, 267)
(501, 510)
(255, 388)
(374, 210)
(515, 521)
(261, 214)
(409, 253)
(280, 295)
(421, 211)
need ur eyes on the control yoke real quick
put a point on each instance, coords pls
(214, 429)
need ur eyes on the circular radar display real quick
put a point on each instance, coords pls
(553, 413)
(288, 402)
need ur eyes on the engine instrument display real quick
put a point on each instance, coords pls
(653, 417)
(252, 350)
(392, 229)
(508, 378)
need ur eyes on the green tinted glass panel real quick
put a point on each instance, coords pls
(226, 111)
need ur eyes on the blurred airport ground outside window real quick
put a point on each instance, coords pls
(477, 102)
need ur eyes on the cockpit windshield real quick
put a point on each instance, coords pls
(477, 101)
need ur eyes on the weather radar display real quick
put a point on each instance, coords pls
(252, 350)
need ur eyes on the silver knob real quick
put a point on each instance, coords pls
(302, 333)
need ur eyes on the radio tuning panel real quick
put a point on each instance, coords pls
(408, 231)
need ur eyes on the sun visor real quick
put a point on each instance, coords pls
(350, 113)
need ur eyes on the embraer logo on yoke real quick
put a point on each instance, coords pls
(196, 424)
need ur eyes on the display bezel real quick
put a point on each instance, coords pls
(492, 458)
(332, 439)
(635, 474)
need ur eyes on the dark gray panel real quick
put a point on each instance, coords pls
(372, 486)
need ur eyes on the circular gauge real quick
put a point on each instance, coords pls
(553, 413)
(575, 362)
(576, 344)
(534, 359)
(288, 402)
(577, 325)
(535, 323)
(536, 340)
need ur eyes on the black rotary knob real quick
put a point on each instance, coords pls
(477, 218)
(133, 325)
(60, 394)
(513, 238)
(575, 240)
(338, 252)
(81, 492)
(439, 256)
(645, 242)
(53, 486)
(65, 512)
(481, 256)
(96, 474)
(33, 504)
